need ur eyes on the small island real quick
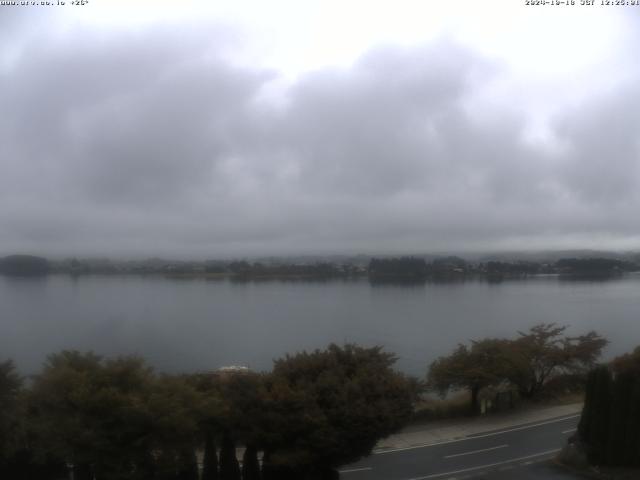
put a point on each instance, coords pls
(24, 265)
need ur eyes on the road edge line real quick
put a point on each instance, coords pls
(513, 460)
(464, 439)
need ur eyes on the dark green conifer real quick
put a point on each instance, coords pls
(599, 420)
(586, 419)
(82, 471)
(145, 467)
(250, 464)
(621, 391)
(187, 465)
(210, 460)
(166, 466)
(632, 448)
(229, 466)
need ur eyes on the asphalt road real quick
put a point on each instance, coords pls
(521, 452)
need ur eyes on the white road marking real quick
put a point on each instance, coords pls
(476, 451)
(352, 470)
(436, 475)
(516, 429)
(570, 430)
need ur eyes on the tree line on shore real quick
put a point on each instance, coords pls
(115, 419)
(378, 270)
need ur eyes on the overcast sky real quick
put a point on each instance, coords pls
(210, 129)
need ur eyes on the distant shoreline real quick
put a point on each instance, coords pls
(377, 270)
(396, 280)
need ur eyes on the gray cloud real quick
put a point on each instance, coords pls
(153, 143)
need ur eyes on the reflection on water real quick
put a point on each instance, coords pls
(199, 324)
(421, 282)
(591, 277)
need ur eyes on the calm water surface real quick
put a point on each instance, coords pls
(187, 325)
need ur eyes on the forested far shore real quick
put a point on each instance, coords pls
(377, 269)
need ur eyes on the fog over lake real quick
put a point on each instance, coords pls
(188, 325)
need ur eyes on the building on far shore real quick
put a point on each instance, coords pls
(231, 370)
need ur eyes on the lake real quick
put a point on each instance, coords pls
(197, 324)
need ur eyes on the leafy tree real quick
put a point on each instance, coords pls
(107, 417)
(543, 352)
(235, 411)
(629, 362)
(473, 368)
(327, 408)
(241, 405)
(61, 411)
(10, 417)
(528, 362)
(214, 415)
(10, 386)
(175, 407)
(114, 419)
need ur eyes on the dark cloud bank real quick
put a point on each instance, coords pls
(149, 142)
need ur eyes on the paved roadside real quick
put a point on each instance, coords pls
(443, 431)
(506, 446)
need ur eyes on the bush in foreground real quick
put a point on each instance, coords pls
(328, 408)
(115, 419)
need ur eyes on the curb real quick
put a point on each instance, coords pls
(486, 429)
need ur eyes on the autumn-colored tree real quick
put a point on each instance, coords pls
(473, 368)
(528, 362)
(629, 362)
(543, 352)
